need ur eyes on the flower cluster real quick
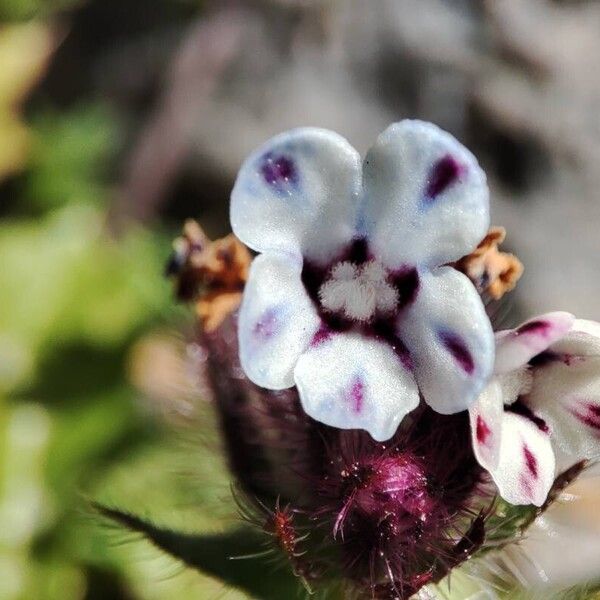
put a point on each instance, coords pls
(356, 300)
(379, 430)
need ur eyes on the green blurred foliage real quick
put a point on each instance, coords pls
(80, 145)
(74, 298)
(19, 10)
(82, 286)
(24, 51)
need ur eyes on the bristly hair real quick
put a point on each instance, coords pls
(405, 512)
(285, 538)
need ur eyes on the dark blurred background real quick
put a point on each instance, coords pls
(120, 118)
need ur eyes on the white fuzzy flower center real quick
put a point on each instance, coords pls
(358, 292)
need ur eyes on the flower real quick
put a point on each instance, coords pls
(544, 399)
(350, 299)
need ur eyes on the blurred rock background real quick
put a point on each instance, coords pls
(120, 118)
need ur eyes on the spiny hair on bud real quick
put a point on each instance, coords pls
(405, 512)
(283, 535)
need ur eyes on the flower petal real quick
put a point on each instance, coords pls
(426, 198)
(516, 347)
(582, 340)
(298, 193)
(566, 391)
(352, 382)
(450, 339)
(525, 471)
(277, 321)
(486, 417)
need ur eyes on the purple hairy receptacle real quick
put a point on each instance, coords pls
(396, 508)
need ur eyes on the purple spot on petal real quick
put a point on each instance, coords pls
(265, 327)
(594, 409)
(444, 173)
(520, 408)
(278, 171)
(571, 359)
(402, 353)
(545, 358)
(549, 357)
(530, 461)
(358, 253)
(588, 414)
(457, 347)
(482, 431)
(526, 485)
(323, 334)
(534, 327)
(406, 281)
(384, 330)
(356, 395)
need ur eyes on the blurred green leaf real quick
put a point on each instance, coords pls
(19, 10)
(64, 279)
(71, 156)
(24, 52)
(219, 555)
(590, 591)
(74, 299)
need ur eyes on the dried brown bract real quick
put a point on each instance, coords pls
(492, 271)
(210, 273)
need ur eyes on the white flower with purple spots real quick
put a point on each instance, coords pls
(544, 397)
(350, 299)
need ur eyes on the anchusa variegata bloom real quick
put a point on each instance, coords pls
(373, 420)
(351, 299)
(544, 396)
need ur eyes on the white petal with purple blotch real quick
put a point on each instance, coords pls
(583, 339)
(351, 382)
(526, 467)
(566, 391)
(426, 198)
(486, 417)
(277, 321)
(450, 339)
(298, 193)
(516, 347)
